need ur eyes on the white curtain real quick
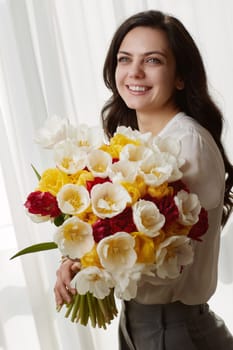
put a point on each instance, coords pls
(51, 59)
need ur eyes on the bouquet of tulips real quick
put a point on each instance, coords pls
(120, 207)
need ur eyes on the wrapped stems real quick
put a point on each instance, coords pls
(86, 307)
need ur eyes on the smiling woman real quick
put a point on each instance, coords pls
(146, 76)
(51, 60)
(159, 86)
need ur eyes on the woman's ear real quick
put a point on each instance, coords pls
(179, 84)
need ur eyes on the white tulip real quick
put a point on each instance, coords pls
(54, 130)
(166, 145)
(170, 149)
(73, 199)
(147, 218)
(37, 218)
(135, 154)
(117, 252)
(172, 254)
(175, 174)
(69, 158)
(109, 199)
(74, 238)
(155, 170)
(94, 280)
(99, 163)
(189, 207)
(123, 171)
(133, 134)
(126, 283)
(89, 137)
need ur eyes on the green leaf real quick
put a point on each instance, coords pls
(36, 172)
(58, 221)
(36, 248)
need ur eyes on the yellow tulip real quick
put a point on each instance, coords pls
(132, 190)
(119, 141)
(114, 153)
(140, 183)
(176, 229)
(160, 191)
(84, 176)
(91, 259)
(144, 247)
(52, 180)
(88, 216)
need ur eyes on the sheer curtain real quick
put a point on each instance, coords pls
(51, 58)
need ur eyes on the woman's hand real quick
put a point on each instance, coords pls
(62, 289)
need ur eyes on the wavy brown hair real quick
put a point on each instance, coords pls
(194, 99)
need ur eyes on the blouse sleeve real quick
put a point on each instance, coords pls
(203, 169)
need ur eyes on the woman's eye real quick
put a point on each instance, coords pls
(123, 59)
(153, 60)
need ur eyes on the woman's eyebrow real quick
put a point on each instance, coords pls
(145, 53)
(124, 53)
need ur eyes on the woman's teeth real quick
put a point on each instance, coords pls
(137, 88)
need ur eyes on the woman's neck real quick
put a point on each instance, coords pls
(155, 122)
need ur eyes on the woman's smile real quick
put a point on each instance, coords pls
(146, 71)
(138, 89)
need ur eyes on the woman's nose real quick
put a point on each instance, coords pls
(136, 70)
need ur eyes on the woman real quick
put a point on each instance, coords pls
(158, 84)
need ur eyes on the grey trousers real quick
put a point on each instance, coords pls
(172, 326)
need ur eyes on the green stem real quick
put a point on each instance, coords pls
(83, 310)
(69, 308)
(99, 315)
(109, 307)
(91, 306)
(104, 310)
(75, 308)
(59, 307)
(113, 302)
(111, 314)
(83, 307)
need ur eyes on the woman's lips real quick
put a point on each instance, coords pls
(138, 88)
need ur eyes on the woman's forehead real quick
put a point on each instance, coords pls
(144, 41)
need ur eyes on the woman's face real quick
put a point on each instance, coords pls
(146, 71)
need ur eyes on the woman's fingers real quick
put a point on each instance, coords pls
(61, 294)
(62, 288)
(76, 267)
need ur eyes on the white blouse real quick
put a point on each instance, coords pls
(204, 174)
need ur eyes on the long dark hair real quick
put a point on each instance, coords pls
(194, 99)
